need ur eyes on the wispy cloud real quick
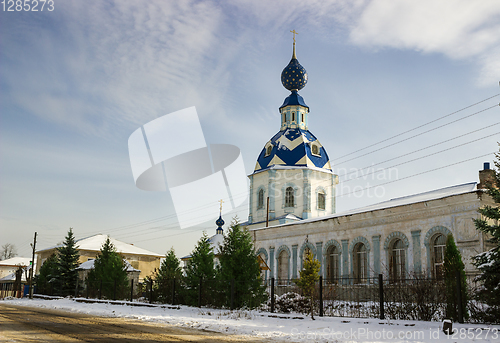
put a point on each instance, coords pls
(113, 62)
(457, 29)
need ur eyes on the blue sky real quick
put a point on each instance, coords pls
(77, 81)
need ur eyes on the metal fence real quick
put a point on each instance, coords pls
(416, 298)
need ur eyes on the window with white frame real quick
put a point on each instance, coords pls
(269, 149)
(289, 197)
(438, 247)
(315, 150)
(304, 254)
(332, 264)
(360, 263)
(283, 259)
(397, 261)
(321, 200)
(260, 199)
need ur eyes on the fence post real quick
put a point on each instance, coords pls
(173, 291)
(232, 294)
(272, 295)
(199, 294)
(100, 290)
(151, 292)
(88, 286)
(459, 297)
(76, 288)
(131, 290)
(381, 294)
(114, 291)
(321, 295)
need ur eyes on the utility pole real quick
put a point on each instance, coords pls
(267, 213)
(32, 266)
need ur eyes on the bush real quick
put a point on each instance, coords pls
(290, 302)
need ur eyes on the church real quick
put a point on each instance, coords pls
(292, 210)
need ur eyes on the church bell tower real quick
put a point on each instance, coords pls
(293, 169)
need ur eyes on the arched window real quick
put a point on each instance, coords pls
(293, 116)
(289, 197)
(304, 254)
(321, 200)
(268, 150)
(332, 264)
(437, 251)
(302, 117)
(284, 117)
(397, 261)
(262, 271)
(360, 263)
(260, 203)
(315, 149)
(283, 267)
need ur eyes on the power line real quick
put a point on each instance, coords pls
(418, 127)
(427, 147)
(419, 158)
(421, 173)
(403, 140)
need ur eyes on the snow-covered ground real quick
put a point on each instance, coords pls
(286, 328)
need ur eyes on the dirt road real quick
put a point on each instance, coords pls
(25, 324)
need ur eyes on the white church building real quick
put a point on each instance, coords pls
(292, 208)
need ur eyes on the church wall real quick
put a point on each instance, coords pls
(414, 224)
(274, 183)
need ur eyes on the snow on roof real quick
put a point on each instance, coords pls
(406, 200)
(94, 243)
(12, 276)
(87, 265)
(16, 261)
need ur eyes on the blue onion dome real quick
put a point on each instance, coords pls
(219, 222)
(294, 76)
(296, 148)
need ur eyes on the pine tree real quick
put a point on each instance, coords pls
(488, 262)
(308, 277)
(452, 264)
(46, 280)
(68, 257)
(200, 266)
(238, 262)
(170, 272)
(111, 270)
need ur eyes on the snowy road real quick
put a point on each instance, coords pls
(26, 324)
(211, 325)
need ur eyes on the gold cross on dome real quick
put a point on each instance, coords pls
(221, 201)
(294, 33)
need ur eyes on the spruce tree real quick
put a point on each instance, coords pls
(453, 264)
(46, 280)
(200, 266)
(68, 257)
(488, 262)
(238, 262)
(308, 277)
(111, 270)
(170, 271)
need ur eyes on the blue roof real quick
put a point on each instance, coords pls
(292, 147)
(294, 99)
